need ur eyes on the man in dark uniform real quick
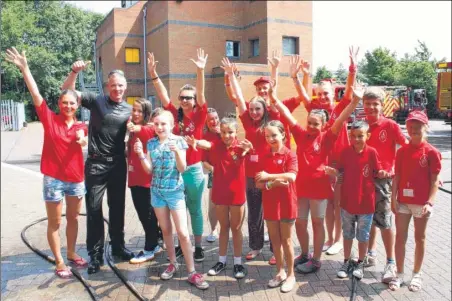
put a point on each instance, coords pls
(105, 167)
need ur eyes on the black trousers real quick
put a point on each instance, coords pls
(101, 175)
(141, 197)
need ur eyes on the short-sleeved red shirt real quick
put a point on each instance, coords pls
(415, 164)
(136, 175)
(211, 137)
(385, 134)
(228, 186)
(317, 105)
(358, 184)
(257, 137)
(62, 156)
(312, 152)
(343, 140)
(280, 202)
(192, 125)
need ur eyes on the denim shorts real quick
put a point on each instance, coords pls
(349, 222)
(174, 200)
(54, 190)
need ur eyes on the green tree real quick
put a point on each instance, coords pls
(378, 67)
(322, 73)
(53, 34)
(341, 74)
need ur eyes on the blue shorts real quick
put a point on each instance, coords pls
(174, 200)
(54, 190)
(349, 222)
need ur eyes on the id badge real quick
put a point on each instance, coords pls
(254, 158)
(131, 168)
(408, 193)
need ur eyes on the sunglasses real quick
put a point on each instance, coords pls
(186, 97)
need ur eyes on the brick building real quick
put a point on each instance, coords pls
(245, 31)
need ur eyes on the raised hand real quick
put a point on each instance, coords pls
(294, 66)
(13, 56)
(272, 92)
(130, 125)
(246, 145)
(227, 66)
(201, 60)
(138, 147)
(172, 146)
(275, 59)
(191, 141)
(357, 93)
(152, 63)
(353, 55)
(80, 65)
(305, 67)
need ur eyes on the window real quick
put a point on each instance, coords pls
(154, 102)
(131, 99)
(254, 47)
(290, 45)
(132, 55)
(232, 49)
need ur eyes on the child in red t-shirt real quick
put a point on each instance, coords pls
(139, 180)
(277, 181)
(313, 185)
(357, 166)
(227, 157)
(416, 181)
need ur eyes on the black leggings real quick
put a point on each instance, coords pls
(141, 197)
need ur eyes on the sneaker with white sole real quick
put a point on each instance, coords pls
(170, 271)
(197, 280)
(143, 256)
(216, 269)
(343, 271)
(335, 248)
(358, 270)
(370, 261)
(212, 237)
(309, 267)
(239, 271)
(389, 273)
(266, 237)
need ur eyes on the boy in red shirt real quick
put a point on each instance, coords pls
(227, 157)
(385, 134)
(416, 182)
(357, 166)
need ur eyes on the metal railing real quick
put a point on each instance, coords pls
(12, 115)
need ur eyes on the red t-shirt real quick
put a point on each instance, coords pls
(257, 137)
(228, 186)
(280, 202)
(358, 185)
(343, 140)
(62, 156)
(137, 176)
(312, 152)
(317, 105)
(385, 134)
(211, 137)
(415, 165)
(192, 125)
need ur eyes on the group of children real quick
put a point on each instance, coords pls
(351, 170)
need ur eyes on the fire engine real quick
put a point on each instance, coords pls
(443, 92)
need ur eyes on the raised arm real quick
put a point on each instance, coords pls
(227, 84)
(228, 68)
(200, 79)
(158, 84)
(283, 110)
(274, 63)
(20, 60)
(351, 78)
(357, 95)
(69, 83)
(294, 69)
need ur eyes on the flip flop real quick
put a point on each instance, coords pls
(79, 262)
(252, 254)
(63, 273)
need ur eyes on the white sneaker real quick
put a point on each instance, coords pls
(266, 237)
(143, 256)
(212, 237)
(389, 273)
(335, 248)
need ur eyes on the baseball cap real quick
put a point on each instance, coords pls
(419, 116)
(263, 79)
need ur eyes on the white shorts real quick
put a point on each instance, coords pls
(414, 210)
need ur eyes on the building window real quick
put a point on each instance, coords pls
(154, 102)
(254, 47)
(131, 99)
(290, 45)
(127, 3)
(232, 49)
(132, 55)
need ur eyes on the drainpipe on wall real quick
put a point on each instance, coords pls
(144, 53)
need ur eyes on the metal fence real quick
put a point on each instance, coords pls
(12, 115)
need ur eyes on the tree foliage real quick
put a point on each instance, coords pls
(54, 34)
(378, 67)
(341, 74)
(322, 73)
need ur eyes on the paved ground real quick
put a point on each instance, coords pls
(25, 276)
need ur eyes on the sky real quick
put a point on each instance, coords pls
(396, 25)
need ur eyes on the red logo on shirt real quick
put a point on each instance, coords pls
(316, 148)
(423, 160)
(366, 170)
(383, 136)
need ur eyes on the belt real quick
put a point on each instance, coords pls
(102, 158)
